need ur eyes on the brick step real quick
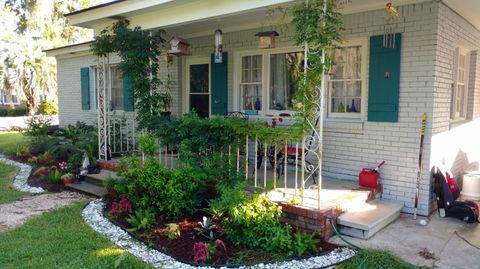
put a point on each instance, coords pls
(98, 179)
(364, 221)
(88, 188)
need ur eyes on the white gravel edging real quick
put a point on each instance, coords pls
(93, 216)
(20, 181)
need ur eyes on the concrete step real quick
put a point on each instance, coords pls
(99, 178)
(366, 220)
(88, 188)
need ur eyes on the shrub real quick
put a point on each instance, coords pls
(141, 220)
(172, 231)
(13, 112)
(170, 192)
(54, 176)
(47, 108)
(254, 222)
(37, 126)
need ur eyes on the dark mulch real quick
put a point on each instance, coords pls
(35, 181)
(181, 248)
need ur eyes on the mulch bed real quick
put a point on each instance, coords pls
(35, 181)
(181, 248)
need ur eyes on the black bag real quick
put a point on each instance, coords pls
(463, 210)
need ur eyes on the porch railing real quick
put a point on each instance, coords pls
(289, 167)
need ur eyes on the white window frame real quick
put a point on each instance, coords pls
(364, 45)
(462, 114)
(3, 99)
(186, 89)
(265, 53)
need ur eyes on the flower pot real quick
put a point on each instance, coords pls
(166, 113)
(67, 181)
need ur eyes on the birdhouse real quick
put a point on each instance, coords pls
(178, 46)
(266, 40)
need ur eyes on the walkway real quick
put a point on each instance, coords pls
(442, 243)
(19, 212)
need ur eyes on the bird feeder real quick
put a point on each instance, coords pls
(178, 46)
(217, 49)
(266, 40)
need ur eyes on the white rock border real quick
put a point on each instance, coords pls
(20, 181)
(93, 216)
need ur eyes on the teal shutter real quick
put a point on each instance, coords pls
(128, 98)
(219, 88)
(384, 80)
(85, 84)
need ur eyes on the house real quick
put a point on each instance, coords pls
(375, 97)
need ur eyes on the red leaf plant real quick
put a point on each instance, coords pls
(121, 208)
(200, 252)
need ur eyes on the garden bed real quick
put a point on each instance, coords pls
(36, 181)
(181, 248)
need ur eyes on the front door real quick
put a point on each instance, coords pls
(198, 87)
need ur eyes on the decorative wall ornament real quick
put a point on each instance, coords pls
(218, 50)
(266, 40)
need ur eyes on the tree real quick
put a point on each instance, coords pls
(32, 26)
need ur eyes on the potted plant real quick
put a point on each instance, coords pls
(67, 179)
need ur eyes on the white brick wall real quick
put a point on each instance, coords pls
(350, 145)
(455, 144)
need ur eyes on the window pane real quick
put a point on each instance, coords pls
(200, 104)
(346, 96)
(347, 63)
(251, 69)
(251, 97)
(199, 78)
(117, 89)
(285, 71)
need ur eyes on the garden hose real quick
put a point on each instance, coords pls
(363, 262)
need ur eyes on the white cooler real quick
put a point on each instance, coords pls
(471, 185)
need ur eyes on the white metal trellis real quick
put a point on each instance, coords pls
(103, 87)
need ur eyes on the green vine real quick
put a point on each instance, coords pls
(140, 52)
(318, 26)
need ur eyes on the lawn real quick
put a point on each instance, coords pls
(375, 259)
(7, 192)
(60, 239)
(10, 140)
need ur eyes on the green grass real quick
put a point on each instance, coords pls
(7, 192)
(60, 239)
(376, 259)
(10, 140)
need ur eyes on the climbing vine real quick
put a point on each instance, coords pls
(140, 52)
(318, 27)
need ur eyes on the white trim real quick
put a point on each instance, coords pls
(186, 89)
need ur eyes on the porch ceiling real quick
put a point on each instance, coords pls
(469, 9)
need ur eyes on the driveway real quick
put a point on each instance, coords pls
(442, 243)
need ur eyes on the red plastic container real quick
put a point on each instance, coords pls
(368, 178)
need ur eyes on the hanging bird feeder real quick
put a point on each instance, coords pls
(217, 49)
(389, 29)
(266, 40)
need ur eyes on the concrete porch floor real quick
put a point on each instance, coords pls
(441, 236)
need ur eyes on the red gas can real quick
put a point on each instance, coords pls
(369, 177)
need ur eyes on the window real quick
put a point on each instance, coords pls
(251, 84)
(285, 71)
(345, 85)
(458, 106)
(9, 99)
(116, 94)
(269, 78)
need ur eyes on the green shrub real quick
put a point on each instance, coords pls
(37, 126)
(54, 176)
(169, 192)
(47, 108)
(254, 222)
(13, 112)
